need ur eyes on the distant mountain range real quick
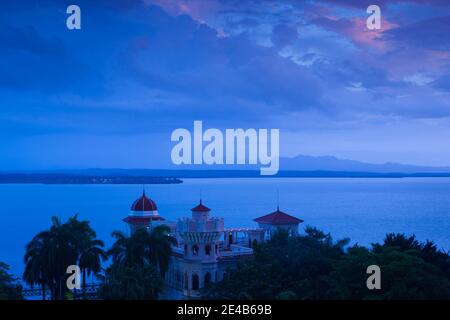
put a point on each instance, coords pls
(299, 166)
(330, 163)
(326, 163)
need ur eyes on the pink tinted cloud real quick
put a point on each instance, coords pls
(384, 3)
(359, 33)
(356, 30)
(440, 56)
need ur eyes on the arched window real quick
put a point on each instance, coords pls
(195, 282)
(195, 250)
(207, 278)
(207, 249)
(186, 280)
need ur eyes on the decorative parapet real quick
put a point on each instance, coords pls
(200, 237)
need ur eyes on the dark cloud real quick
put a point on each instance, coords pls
(27, 39)
(433, 34)
(29, 61)
(138, 68)
(226, 72)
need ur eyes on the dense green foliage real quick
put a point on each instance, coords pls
(124, 282)
(138, 264)
(313, 266)
(51, 251)
(310, 266)
(9, 287)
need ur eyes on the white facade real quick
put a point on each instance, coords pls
(204, 249)
(202, 254)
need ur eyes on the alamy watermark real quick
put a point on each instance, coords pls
(73, 280)
(373, 22)
(73, 21)
(374, 280)
(236, 146)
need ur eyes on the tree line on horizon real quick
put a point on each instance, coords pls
(309, 266)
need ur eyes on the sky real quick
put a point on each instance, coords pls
(110, 95)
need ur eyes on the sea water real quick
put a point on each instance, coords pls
(363, 209)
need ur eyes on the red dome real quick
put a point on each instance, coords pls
(144, 204)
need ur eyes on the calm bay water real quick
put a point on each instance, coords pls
(362, 209)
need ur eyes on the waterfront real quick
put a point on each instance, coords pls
(362, 209)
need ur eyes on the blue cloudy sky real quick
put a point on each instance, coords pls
(110, 94)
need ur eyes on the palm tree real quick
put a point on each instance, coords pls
(139, 262)
(143, 247)
(159, 247)
(126, 250)
(36, 268)
(51, 251)
(89, 249)
(91, 255)
(62, 252)
(47, 257)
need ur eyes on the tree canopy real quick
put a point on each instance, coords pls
(10, 289)
(139, 263)
(314, 266)
(51, 251)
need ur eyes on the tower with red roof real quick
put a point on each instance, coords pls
(278, 220)
(201, 238)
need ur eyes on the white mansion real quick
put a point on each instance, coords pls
(204, 248)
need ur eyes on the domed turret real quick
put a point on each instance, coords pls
(143, 212)
(143, 204)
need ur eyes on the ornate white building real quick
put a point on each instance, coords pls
(204, 249)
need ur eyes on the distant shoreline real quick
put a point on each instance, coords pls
(83, 179)
(149, 176)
